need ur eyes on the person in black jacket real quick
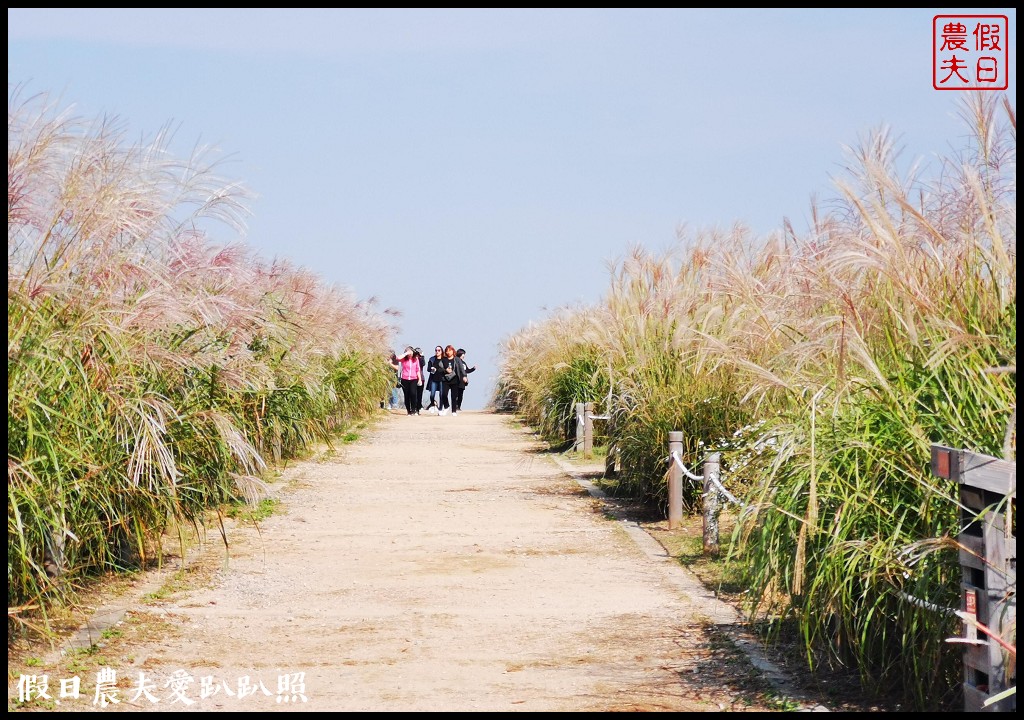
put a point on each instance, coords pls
(453, 374)
(460, 355)
(433, 376)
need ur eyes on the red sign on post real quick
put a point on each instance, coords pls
(971, 608)
(970, 52)
(971, 602)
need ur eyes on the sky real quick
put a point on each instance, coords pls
(477, 169)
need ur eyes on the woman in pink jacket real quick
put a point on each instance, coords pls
(408, 367)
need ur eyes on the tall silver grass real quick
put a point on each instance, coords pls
(823, 365)
(152, 373)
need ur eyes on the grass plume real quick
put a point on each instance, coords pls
(823, 365)
(152, 373)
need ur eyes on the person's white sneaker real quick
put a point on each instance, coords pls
(454, 414)
(443, 412)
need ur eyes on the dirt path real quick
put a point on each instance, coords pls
(438, 563)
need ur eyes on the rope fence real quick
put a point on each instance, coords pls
(675, 456)
(988, 586)
(713, 487)
(710, 482)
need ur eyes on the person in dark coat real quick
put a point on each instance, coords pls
(434, 375)
(460, 355)
(453, 377)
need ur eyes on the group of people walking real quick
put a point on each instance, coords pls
(445, 377)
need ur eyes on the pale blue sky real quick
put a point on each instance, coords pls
(476, 168)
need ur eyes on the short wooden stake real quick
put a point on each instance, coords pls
(675, 480)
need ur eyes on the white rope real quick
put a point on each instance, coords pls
(926, 605)
(600, 417)
(728, 495)
(674, 455)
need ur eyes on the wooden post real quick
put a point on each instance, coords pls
(712, 471)
(580, 430)
(675, 480)
(588, 429)
(988, 562)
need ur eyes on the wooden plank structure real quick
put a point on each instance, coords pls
(988, 559)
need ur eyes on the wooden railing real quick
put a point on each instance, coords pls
(988, 563)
